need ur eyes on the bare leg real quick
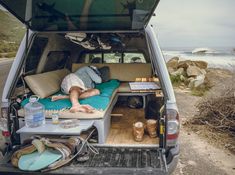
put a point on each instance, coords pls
(59, 97)
(86, 94)
(89, 93)
(76, 106)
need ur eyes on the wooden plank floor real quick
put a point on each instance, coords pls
(121, 127)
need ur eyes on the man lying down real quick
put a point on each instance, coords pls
(80, 85)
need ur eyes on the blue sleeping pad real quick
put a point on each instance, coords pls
(99, 102)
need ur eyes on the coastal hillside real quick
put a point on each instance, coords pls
(11, 33)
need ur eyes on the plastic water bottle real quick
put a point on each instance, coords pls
(34, 113)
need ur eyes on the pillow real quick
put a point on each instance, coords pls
(105, 73)
(46, 84)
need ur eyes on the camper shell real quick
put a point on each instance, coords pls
(51, 48)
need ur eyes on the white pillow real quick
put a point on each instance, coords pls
(46, 84)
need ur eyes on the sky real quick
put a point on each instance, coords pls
(195, 23)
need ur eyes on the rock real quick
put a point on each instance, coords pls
(203, 71)
(201, 64)
(181, 87)
(191, 83)
(170, 70)
(180, 71)
(193, 71)
(187, 81)
(182, 78)
(190, 79)
(173, 63)
(185, 64)
(198, 81)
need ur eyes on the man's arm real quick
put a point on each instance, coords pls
(96, 78)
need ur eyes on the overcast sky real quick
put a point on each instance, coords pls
(195, 23)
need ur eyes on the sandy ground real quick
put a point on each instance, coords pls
(197, 156)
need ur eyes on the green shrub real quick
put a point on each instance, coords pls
(8, 47)
(175, 80)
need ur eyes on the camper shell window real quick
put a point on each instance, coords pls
(113, 57)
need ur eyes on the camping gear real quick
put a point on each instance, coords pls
(37, 161)
(23, 151)
(153, 105)
(34, 113)
(48, 154)
(151, 128)
(138, 131)
(135, 102)
(99, 102)
(55, 118)
(66, 124)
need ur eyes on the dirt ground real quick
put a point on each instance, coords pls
(200, 154)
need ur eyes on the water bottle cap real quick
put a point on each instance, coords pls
(33, 98)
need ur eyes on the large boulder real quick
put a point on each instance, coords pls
(180, 71)
(193, 71)
(203, 71)
(198, 81)
(185, 64)
(191, 83)
(173, 62)
(170, 70)
(201, 64)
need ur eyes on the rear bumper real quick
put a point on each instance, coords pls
(70, 170)
(173, 164)
(174, 156)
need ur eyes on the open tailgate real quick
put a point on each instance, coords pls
(82, 15)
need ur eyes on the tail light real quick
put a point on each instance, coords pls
(3, 122)
(173, 126)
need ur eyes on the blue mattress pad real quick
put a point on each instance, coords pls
(99, 102)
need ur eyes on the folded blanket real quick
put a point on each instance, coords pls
(99, 102)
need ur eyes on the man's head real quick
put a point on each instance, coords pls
(104, 73)
(95, 70)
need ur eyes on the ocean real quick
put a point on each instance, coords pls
(223, 58)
